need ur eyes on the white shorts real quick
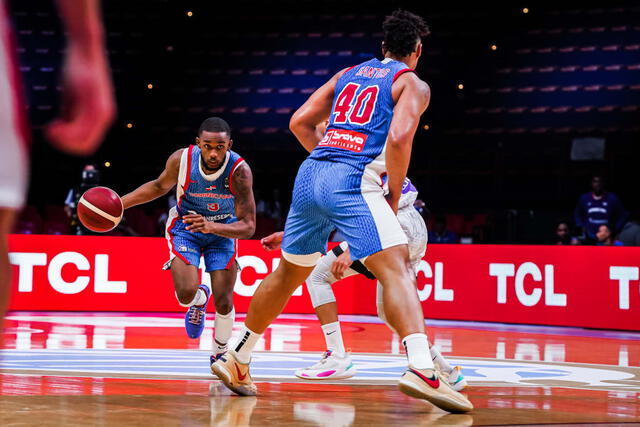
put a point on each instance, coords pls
(13, 144)
(416, 231)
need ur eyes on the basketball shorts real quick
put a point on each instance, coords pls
(219, 252)
(416, 231)
(329, 196)
(13, 133)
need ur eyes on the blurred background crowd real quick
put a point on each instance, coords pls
(531, 136)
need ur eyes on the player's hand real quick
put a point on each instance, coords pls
(88, 105)
(341, 264)
(197, 223)
(272, 241)
(393, 202)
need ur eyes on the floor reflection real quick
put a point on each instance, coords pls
(25, 331)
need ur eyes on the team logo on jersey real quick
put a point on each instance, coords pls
(211, 188)
(213, 207)
(345, 139)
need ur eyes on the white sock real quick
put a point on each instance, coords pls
(244, 346)
(223, 326)
(439, 360)
(333, 337)
(199, 299)
(417, 348)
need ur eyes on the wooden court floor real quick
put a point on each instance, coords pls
(128, 369)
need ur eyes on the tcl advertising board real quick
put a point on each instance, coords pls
(586, 286)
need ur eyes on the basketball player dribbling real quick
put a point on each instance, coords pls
(336, 362)
(88, 109)
(373, 109)
(215, 206)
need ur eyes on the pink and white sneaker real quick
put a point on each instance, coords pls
(330, 367)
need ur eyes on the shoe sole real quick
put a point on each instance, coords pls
(225, 377)
(343, 376)
(441, 400)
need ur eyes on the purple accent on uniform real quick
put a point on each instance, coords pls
(326, 374)
(408, 187)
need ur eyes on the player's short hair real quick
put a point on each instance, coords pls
(402, 30)
(214, 124)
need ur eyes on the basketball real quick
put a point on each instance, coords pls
(100, 209)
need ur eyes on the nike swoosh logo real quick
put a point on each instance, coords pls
(240, 376)
(329, 333)
(433, 382)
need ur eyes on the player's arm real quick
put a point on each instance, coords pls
(245, 209)
(307, 123)
(88, 102)
(412, 101)
(158, 187)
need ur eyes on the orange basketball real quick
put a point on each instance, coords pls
(100, 209)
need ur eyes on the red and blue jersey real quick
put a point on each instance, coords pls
(361, 115)
(210, 195)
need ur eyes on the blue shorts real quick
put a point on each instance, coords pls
(328, 196)
(218, 252)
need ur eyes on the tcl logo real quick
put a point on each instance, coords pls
(249, 262)
(27, 262)
(503, 271)
(438, 290)
(624, 275)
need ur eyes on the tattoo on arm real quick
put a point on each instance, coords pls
(245, 205)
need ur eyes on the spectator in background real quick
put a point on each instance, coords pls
(605, 236)
(90, 179)
(440, 234)
(599, 207)
(563, 236)
(630, 234)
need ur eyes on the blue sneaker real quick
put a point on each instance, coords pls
(194, 319)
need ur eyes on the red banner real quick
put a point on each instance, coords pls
(547, 285)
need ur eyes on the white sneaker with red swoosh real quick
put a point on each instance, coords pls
(428, 384)
(234, 375)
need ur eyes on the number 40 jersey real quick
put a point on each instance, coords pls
(360, 116)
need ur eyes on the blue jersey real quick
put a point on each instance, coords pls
(361, 115)
(591, 213)
(211, 195)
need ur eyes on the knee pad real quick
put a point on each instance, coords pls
(320, 281)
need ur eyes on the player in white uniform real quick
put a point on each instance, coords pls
(88, 109)
(337, 265)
